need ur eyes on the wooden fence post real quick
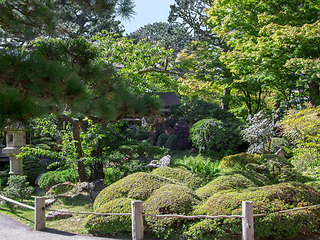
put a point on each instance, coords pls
(39, 214)
(247, 221)
(137, 220)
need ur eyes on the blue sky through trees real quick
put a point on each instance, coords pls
(148, 11)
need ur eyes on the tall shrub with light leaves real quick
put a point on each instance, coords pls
(259, 133)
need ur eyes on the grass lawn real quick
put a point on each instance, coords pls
(74, 224)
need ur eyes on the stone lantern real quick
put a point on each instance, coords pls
(15, 138)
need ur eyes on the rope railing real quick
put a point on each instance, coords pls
(287, 210)
(137, 216)
(17, 203)
(39, 211)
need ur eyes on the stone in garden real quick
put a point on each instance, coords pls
(58, 215)
(49, 201)
(37, 179)
(82, 187)
(166, 161)
(94, 188)
(163, 162)
(60, 188)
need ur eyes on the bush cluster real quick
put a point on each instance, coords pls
(169, 199)
(51, 178)
(268, 199)
(178, 174)
(137, 186)
(114, 225)
(17, 188)
(239, 161)
(214, 134)
(170, 191)
(226, 182)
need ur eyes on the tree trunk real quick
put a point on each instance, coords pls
(226, 98)
(76, 137)
(314, 93)
(96, 167)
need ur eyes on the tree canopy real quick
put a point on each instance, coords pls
(272, 43)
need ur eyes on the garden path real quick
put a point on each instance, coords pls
(11, 229)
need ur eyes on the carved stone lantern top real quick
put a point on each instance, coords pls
(16, 136)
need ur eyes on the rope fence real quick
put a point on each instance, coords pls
(137, 216)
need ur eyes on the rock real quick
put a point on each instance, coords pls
(60, 188)
(37, 179)
(165, 161)
(94, 188)
(49, 201)
(82, 187)
(58, 215)
(193, 150)
(96, 169)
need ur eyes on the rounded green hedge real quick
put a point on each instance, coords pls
(169, 199)
(239, 161)
(180, 175)
(267, 199)
(103, 225)
(225, 182)
(137, 186)
(51, 178)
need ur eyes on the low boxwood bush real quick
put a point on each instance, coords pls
(277, 169)
(178, 174)
(239, 161)
(17, 188)
(214, 134)
(169, 199)
(226, 182)
(114, 225)
(267, 199)
(137, 186)
(51, 178)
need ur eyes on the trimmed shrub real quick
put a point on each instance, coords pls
(226, 182)
(169, 199)
(103, 225)
(17, 188)
(213, 134)
(239, 161)
(268, 199)
(178, 174)
(258, 179)
(207, 229)
(277, 169)
(51, 178)
(137, 186)
(208, 134)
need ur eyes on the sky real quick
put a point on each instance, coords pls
(148, 11)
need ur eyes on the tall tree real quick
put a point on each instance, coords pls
(145, 66)
(191, 15)
(272, 44)
(53, 75)
(168, 35)
(24, 20)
